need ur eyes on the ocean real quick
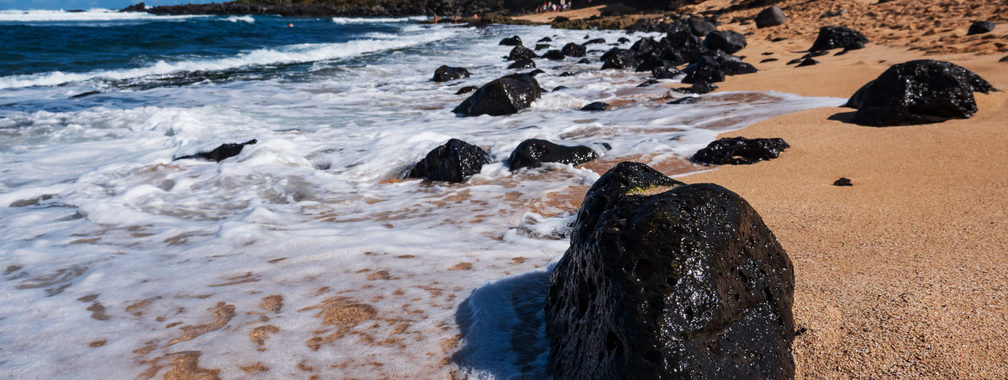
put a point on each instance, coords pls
(308, 253)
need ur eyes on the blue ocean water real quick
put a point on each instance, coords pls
(112, 252)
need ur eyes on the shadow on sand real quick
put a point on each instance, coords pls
(503, 330)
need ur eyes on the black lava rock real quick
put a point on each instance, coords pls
(665, 72)
(534, 152)
(980, 27)
(521, 52)
(220, 153)
(917, 92)
(466, 90)
(807, 62)
(554, 54)
(502, 96)
(618, 59)
(596, 106)
(685, 100)
(739, 151)
(559, 88)
(522, 64)
(623, 40)
(771, 16)
(138, 7)
(650, 61)
(649, 83)
(725, 40)
(452, 162)
(545, 39)
(511, 41)
(688, 283)
(698, 88)
(843, 182)
(584, 60)
(706, 70)
(833, 37)
(700, 27)
(567, 74)
(447, 73)
(680, 46)
(595, 41)
(542, 46)
(573, 50)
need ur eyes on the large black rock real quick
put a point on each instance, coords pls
(617, 58)
(688, 283)
(447, 73)
(452, 162)
(833, 37)
(219, 153)
(502, 96)
(511, 41)
(554, 54)
(533, 153)
(521, 52)
(522, 64)
(739, 151)
(725, 40)
(978, 27)
(771, 16)
(574, 50)
(916, 92)
(680, 46)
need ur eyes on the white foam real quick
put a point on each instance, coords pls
(372, 20)
(96, 14)
(245, 18)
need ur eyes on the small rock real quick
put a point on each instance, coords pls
(466, 90)
(452, 162)
(778, 39)
(534, 152)
(567, 74)
(1003, 59)
(219, 153)
(768, 60)
(595, 41)
(843, 182)
(623, 40)
(511, 41)
(685, 100)
(698, 88)
(829, 14)
(808, 62)
(502, 96)
(554, 54)
(521, 52)
(559, 88)
(649, 83)
(542, 46)
(596, 106)
(665, 72)
(771, 16)
(980, 27)
(739, 151)
(447, 73)
(573, 50)
(545, 39)
(584, 60)
(522, 64)
(725, 40)
(618, 59)
(833, 37)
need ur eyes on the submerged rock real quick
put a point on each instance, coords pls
(618, 59)
(554, 54)
(447, 73)
(917, 92)
(522, 64)
(502, 96)
(833, 37)
(521, 52)
(220, 153)
(665, 72)
(452, 162)
(771, 16)
(511, 41)
(534, 152)
(725, 40)
(739, 151)
(686, 283)
(465, 90)
(573, 50)
(596, 106)
(685, 100)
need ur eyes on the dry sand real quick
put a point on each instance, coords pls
(904, 274)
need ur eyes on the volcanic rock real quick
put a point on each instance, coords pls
(596, 106)
(452, 162)
(219, 153)
(521, 52)
(466, 90)
(665, 72)
(980, 27)
(534, 152)
(688, 283)
(511, 41)
(739, 151)
(832, 37)
(917, 92)
(771, 16)
(843, 182)
(685, 100)
(522, 64)
(554, 54)
(573, 50)
(618, 59)
(725, 40)
(502, 96)
(447, 73)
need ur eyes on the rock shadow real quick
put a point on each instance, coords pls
(503, 328)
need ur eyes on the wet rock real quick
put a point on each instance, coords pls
(725, 40)
(521, 52)
(917, 92)
(665, 72)
(685, 100)
(623, 40)
(739, 151)
(686, 283)
(843, 182)
(534, 152)
(680, 47)
(447, 73)
(452, 162)
(771, 16)
(466, 90)
(502, 96)
(980, 27)
(649, 83)
(618, 59)
(706, 70)
(833, 37)
(698, 88)
(644, 45)
(542, 46)
(138, 7)
(807, 62)
(522, 64)
(219, 153)
(573, 50)
(584, 60)
(545, 39)
(533, 73)
(595, 41)
(567, 74)
(596, 106)
(700, 27)
(511, 41)
(559, 88)
(88, 93)
(554, 54)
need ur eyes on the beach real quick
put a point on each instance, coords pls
(309, 255)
